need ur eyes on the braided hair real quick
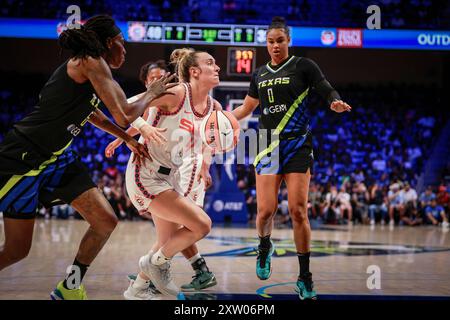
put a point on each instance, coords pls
(89, 39)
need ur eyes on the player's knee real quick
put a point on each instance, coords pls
(266, 212)
(299, 212)
(19, 253)
(204, 227)
(111, 224)
(107, 223)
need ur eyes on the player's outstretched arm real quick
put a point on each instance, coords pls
(112, 95)
(101, 121)
(246, 108)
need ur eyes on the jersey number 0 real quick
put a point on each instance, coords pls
(270, 95)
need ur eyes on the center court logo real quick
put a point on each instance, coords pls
(319, 248)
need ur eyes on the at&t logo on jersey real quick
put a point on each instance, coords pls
(275, 109)
(74, 130)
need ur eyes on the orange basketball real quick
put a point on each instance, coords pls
(220, 131)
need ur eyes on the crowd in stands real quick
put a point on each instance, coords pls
(395, 14)
(367, 162)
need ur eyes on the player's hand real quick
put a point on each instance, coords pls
(139, 150)
(340, 106)
(109, 151)
(205, 176)
(158, 87)
(151, 133)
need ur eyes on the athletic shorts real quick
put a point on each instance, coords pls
(291, 155)
(28, 178)
(191, 187)
(147, 180)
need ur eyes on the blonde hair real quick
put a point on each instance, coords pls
(183, 59)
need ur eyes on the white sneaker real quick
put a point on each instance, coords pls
(391, 223)
(160, 275)
(145, 293)
(445, 225)
(372, 222)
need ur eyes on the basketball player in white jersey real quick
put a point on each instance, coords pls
(192, 188)
(155, 185)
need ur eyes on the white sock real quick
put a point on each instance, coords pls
(194, 258)
(159, 258)
(140, 282)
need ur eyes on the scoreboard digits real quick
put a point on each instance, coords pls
(241, 61)
(196, 33)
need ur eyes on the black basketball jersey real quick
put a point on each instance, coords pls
(283, 91)
(64, 107)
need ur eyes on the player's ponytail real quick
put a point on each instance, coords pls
(279, 23)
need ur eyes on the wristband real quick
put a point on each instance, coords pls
(138, 123)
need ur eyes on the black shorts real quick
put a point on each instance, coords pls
(294, 155)
(27, 178)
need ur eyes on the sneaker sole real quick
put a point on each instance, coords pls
(154, 277)
(209, 285)
(302, 297)
(133, 298)
(130, 297)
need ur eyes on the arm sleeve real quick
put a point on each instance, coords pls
(253, 89)
(317, 81)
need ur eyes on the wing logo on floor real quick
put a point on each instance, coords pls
(286, 248)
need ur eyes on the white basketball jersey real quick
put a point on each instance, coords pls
(183, 136)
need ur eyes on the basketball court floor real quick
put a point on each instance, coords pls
(414, 263)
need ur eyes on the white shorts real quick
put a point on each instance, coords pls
(144, 183)
(192, 189)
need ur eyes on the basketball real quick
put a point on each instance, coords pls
(220, 131)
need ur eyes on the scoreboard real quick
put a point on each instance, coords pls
(248, 35)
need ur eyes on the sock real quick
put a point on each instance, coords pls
(264, 242)
(194, 258)
(140, 282)
(200, 265)
(74, 283)
(159, 258)
(303, 260)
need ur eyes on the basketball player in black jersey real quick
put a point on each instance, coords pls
(281, 89)
(36, 162)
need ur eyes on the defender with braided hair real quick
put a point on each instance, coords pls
(37, 163)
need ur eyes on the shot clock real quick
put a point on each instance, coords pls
(241, 61)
